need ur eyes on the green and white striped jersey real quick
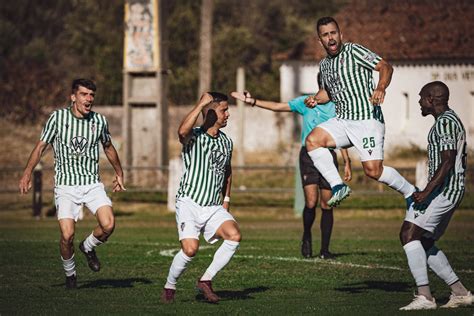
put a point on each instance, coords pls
(448, 133)
(205, 159)
(76, 145)
(349, 80)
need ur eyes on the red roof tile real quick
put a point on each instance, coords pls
(402, 30)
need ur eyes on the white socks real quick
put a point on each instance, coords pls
(323, 161)
(91, 242)
(69, 266)
(439, 264)
(221, 258)
(393, 179)
(417, 262)
(178, 266)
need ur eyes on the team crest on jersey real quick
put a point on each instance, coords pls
(79, 144)
(93, 127)
(341, 61)
(218, 160)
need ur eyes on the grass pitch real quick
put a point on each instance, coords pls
(267, 276)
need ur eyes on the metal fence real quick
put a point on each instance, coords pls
(246, 179)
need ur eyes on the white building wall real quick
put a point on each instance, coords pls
(404, 123)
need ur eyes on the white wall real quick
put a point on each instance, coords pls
(404, 123)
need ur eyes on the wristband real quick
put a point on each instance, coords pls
(227, 199)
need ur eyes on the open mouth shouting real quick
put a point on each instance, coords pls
(333, 47)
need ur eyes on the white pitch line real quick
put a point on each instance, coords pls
(173, 251)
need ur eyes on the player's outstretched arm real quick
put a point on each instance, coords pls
(385, 77)
(269, 105)
(321, 97)
(186, 127)
(35, 157)
(114, 160)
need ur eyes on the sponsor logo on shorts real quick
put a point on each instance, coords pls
(182, 226)
(418, 212)
(370, 151)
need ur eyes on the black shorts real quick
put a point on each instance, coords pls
(309, 173)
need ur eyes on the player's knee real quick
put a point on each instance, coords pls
(108, 226)
(312, 142)
(67, 238)
(235, 236)
(373, 172)
(324, 205)
(310, 204)
(190, 250)
(405, 236)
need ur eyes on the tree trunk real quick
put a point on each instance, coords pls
(205, 52)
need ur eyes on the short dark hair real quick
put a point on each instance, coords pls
(218, 97)
(437, 89)
(86, 83)
(325, 21)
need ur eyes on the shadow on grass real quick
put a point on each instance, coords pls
(113, 283)
(119, 213)
(366, 286)
(236, 295)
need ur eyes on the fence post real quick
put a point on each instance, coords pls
(37, 191)
(174, 176)
(421, 174)
(299, 201)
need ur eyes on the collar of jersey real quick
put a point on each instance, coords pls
(80, 118)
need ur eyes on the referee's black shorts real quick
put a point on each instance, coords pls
(309, 173)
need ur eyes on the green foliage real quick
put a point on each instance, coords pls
(408, 152)
(45, 44)
(245, 33)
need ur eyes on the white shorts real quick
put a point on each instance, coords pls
(435, 218)
(193, 219)
(69, 199)
(367, 136)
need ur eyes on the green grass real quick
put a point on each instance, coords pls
(266, 277)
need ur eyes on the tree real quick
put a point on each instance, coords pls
(205, 51)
